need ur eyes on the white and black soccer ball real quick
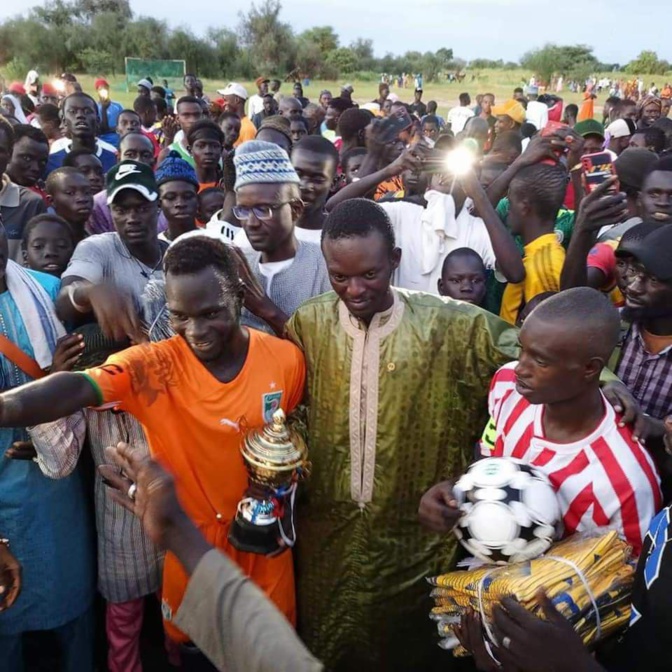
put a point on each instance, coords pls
(510, 511)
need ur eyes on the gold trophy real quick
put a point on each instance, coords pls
(276, 459)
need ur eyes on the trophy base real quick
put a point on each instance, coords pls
(250, 538)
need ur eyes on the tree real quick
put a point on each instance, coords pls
(267, 38)
(363, 52)
(571, 61)
(647, 63)
(96, 61)
(323, 36)
(445, 56)
(226, 49)
(344, 60)
(88, 9)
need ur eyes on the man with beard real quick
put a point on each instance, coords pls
(602, 208)
(644, 357)
(79, 114)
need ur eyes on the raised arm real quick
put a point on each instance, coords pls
(46, 400)
(509, 260)
(539, 149)
(598, 209)
(409, 158)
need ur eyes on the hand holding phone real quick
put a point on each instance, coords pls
(596, 169)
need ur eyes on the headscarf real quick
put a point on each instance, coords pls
(18, 110)
(648, 100)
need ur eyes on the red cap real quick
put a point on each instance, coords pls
(17, 87)
(100, 83)
(48, 90)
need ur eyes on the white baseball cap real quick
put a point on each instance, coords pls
(618, 129)
(233, 89)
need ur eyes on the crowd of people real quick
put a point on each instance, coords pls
(413, 291)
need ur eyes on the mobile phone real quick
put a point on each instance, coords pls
(597, 168)
(398, 121)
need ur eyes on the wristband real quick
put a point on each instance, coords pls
(71, 289)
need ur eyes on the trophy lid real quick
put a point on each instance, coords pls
(274, 446)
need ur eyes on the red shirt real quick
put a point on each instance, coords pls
(605, 479)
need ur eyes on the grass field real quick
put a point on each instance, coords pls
(499, 82)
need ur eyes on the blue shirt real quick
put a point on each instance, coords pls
(106, 152)
(113, 112)
(46, 520)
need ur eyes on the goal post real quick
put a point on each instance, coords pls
(171, 70)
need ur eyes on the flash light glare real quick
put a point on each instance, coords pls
(459, 161)
(59, 85)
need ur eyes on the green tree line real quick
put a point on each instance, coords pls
(95, 35)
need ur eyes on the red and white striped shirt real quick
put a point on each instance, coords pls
(606, 479)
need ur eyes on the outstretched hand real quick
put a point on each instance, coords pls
(155, 502)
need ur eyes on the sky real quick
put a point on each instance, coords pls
(617, 29)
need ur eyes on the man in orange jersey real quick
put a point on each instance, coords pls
(195, 395)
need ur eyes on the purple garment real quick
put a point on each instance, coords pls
(647, 376)
(100, 220)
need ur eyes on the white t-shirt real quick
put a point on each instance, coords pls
(458, 118)
(427, 235)
(271, 268)
(255, 104)
(225, 229)
(537, 114)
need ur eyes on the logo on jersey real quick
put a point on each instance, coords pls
(489, 436)
(270, 403)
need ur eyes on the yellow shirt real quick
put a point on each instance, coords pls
(248, 131)
(543, 259)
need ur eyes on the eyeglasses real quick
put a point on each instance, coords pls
(261, 212)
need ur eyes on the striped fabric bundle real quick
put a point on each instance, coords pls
(576, 574)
